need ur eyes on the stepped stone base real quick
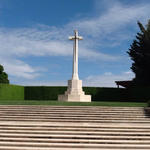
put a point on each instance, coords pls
(74, 98)
(74, 93)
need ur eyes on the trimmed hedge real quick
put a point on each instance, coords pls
(106, 94)
(51, 93)
(98, 93)
(43, 92)
(139, 93)
(11, 92)
(15, 92)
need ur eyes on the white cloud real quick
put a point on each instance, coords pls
(27, 42)
(116, 17)
(43, 83)
(107, 28)
(107, 79)
(108, 73)
(19, 43)
(19, 69)
(114, 26)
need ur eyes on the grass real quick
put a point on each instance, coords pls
(48, 102)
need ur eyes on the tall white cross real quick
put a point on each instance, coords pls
(75, 54)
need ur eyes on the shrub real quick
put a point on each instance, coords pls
(3, 75)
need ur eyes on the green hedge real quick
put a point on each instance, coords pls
(106, 94)
(11, 92)
(98, 94)
(51, 93)
(43, 92)
(139, 93)
(14, 92)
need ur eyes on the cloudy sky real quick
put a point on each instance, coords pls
(34, 45)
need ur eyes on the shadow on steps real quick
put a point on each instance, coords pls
(147, 112)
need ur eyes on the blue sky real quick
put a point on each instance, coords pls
(35, 49)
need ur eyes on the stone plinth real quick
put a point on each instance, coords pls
(74, 93)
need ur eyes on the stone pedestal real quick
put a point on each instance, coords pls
(74, 93)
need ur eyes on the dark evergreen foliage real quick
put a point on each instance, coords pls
(3, 75)
(98, 93)
(140, 55)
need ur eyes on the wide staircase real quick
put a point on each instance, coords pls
(74, 128)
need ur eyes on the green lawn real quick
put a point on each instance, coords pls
(48, 102)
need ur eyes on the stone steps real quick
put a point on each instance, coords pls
(53, 118)
(51, 114)
(75, 132)
(74, 145)
(86, 137)
(74, 128)
(41, 148)
(27, 148)
(75, 117)
(78, 120)
(101, 129)
(60, 140)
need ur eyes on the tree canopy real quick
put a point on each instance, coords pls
(140, 55)
(3, 75)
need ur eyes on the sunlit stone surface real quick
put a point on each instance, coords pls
(74, 92)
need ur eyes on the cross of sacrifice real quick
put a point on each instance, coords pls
(76, 38)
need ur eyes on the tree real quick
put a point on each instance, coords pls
(3, 75)
(140, 55)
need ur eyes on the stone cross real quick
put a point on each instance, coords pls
(74, 91)
(75, 54)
